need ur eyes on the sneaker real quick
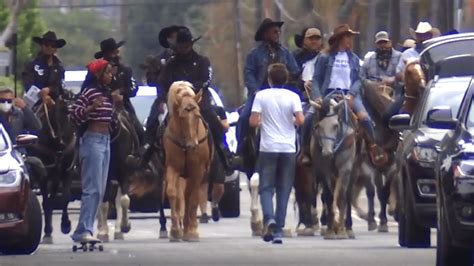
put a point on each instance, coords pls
(216, 214)
(85, 237)
(268, 236)
(277, 240)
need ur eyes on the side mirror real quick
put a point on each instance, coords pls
(400, 122)
(23, 140)
(441, 117)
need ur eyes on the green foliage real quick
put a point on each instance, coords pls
(82, 29)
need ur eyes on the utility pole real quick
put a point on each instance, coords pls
(238, 50)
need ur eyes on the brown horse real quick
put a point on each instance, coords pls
(415, 84)
(188, 154)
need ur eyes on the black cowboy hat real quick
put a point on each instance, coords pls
(184, 36)
(165, 34)
(299, 39)
(50, 37)
(266, 23)
(340, 31)
(108, 45)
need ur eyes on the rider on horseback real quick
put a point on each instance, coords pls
(338, 70)
(122, 82)
(44, 75)
(186, 64)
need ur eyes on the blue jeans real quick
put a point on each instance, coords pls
(94, 153)
(244, 117)
(277, 173)
(306, 127)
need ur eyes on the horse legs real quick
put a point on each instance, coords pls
(340, 200)
(329, 198)
(48, 214)
(192, 200)
(65, 221)
(122, 223)
(102, 225)
(172, 186)
(370, 192)
(383, 189)
(256, 223)
(163, 230)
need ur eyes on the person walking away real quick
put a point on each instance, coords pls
(277, 111)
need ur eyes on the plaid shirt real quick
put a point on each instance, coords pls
(370, 70)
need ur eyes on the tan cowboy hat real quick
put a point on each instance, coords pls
(340, 31)
(423, 28)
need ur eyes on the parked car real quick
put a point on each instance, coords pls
(20, 211)
(448, 70)
(454, 173)
(416, 157)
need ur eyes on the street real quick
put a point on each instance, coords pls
(229, 242)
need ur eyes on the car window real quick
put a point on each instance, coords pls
(470, 118)
(444, 96)
(3, 141)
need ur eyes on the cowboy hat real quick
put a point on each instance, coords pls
(108, 45)
(50, 37)
(184, 36)
(165, 34)
(340, 31)
(266, 23)
(382, 36)
(308, 32)
(423, 28)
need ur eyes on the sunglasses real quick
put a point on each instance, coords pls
(3, 100)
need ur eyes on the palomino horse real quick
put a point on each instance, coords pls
(124, 143)
(187, 159)
(333, 149)
(415, 84)
(56, 149)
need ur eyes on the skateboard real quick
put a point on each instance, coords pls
(88, 245)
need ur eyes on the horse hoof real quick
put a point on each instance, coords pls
(191, 237)
(126, 228)
(383, 228)
(372, 226)
(66, 227)
(350, 234)
(316, 228)
(163, 234)
(330, 234)
(307, 231)
(47, 240)
(176, 235)
(204, 219)
(342, 235)
(257, 228)
(323, 231)
(103, 237)
(118, 236)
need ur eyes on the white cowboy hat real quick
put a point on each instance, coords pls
(421, 28)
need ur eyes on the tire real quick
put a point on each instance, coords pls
(29, 243)
(416, 236)
(446, 253)
(401, 217)
(229, 205)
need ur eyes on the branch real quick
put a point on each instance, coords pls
(15, 7)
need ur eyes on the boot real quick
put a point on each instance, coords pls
(304, 155)
(377, 155)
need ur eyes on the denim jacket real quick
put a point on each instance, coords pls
(322, 74)
(257, 62)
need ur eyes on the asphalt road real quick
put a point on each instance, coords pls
(229, 242)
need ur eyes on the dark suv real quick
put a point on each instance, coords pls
(416, 156)
(454, 173)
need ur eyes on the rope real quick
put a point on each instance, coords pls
(46, 112)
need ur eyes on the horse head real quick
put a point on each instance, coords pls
(328, 131)
(415, 84)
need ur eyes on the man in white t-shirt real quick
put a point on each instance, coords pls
(277, 111)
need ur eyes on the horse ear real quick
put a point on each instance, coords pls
(198, 96)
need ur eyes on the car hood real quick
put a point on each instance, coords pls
(9, 162)
(430, 135)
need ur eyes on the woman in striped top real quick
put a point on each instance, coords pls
(93, 110)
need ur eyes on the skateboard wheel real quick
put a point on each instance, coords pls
(74, 248)
(101, 248)
(84, 248)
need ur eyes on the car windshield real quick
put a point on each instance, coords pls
(444, 96)
(3, 141)
(142, 105)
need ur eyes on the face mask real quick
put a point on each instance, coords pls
(5, 107)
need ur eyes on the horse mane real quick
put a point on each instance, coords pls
(178, 90)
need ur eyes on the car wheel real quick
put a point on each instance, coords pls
(416, 236)
(230, 202)
(446, 253)
(29, 243)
